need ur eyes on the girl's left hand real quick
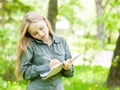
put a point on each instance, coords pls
(67, 65)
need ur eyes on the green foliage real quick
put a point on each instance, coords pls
(7, 36)
(112, 16)
(3, 84)
(16, 5)
(87, 78)
(109, 47)
(115, 61)
(83, 44)
(7, 51)
(8, 70)
(66, 10)
(12, 85)
(13, 8)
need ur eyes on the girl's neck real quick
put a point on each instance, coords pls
(49, 41)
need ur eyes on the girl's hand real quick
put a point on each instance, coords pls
(53, 62)
(67, 65)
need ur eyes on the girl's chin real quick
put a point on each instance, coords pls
(45, 39)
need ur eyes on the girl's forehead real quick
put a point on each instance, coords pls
(37, 24)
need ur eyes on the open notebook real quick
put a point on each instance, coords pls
(56, 69)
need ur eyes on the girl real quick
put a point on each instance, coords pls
(38, 51)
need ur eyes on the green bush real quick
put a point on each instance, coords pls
(87, 78)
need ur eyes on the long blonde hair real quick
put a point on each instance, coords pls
(23, 40)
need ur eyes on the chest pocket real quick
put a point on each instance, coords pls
(59, 51)
(41, 55)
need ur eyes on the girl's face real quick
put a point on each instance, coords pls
(39, 30)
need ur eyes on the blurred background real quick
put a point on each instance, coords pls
(91, 28)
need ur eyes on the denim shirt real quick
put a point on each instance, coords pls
(36, 60)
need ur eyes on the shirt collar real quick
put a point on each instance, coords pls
(55, 40)
(36, 40)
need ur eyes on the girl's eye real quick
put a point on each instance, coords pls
(35, 33)
(41, 28)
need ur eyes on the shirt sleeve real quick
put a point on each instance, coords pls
(67, 73)
(28, 69)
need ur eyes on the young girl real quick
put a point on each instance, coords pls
(38, 51)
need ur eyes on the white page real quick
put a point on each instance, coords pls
(56, 69)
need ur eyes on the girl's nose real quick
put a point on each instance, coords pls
(41, 33)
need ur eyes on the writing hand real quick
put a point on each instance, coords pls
(53, 62)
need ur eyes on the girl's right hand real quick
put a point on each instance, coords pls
(53, 62)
